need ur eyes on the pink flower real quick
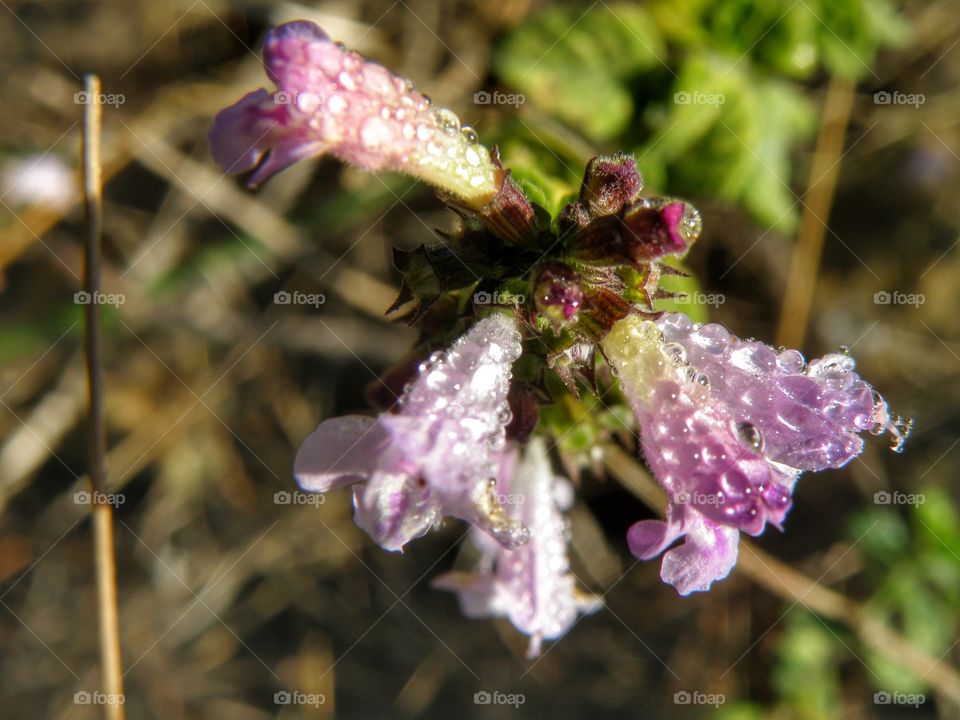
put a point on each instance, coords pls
(531, 585)
(439, 455)
(330, 100)
(726, 427)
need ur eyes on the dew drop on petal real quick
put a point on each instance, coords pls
(750, 435)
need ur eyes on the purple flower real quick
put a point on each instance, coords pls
(438, 455)
(726, 427)
(330, 100)
(530, 585)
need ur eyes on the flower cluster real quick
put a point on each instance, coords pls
(726, 426)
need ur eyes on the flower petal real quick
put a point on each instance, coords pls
(341, 451)
(708, 553)
(807, 417)
(395, 509)
(332, 100)
(531, 584)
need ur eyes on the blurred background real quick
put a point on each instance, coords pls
(820, 139)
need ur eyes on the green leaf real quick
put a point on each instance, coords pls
(576, 64)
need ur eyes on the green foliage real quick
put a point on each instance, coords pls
(732, 138)
(805, 672)
(575, 63)
(618, 74)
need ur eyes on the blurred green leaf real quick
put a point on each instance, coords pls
(805, 672)
(727, 134)
(575, 64)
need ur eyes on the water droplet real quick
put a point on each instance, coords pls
(346, 81)
(844, 350)
(900, 429)
(750, 435)
(692, 223)
(469, 134)
(409, 85)
(676, 353)
(426, 100)
(447, 120)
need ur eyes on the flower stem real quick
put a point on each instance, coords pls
(103, 550)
